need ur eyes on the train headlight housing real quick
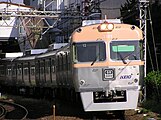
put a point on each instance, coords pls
(106, 27)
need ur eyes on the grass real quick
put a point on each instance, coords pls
(152, 106)
(3, 97)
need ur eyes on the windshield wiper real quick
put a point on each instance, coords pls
(123, 59)
(95, 60)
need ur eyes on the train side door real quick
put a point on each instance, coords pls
(14, 74)
(53, 71)
(19, 74)
(47, 71)
(37, 71)
(42, 72)
(2, 74)
(65, 69)
(26, 73)
(32, 74)
(9, 74)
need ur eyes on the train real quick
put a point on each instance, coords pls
(102, 63)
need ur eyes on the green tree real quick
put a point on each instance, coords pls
(130, 12)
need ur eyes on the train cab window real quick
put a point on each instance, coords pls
(89, 51)
(125, 50)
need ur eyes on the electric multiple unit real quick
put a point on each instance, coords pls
(103, 63)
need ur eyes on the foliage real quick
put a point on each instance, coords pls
(152, 105)
(130, 15)
(130, 12)
(154, 78)
(153, 85)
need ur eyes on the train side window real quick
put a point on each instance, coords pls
(9, 71)
(32, 70)
(53, 66)
(14, 70)
(25, 71)
(19, 71)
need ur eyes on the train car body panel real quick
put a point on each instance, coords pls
(118, 33)
(107, 65)
(103, 78)
(45, 69)
(89, 105)
(64, 68)
(25, 71)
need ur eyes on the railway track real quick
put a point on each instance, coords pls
(9, 110)
(2, 112)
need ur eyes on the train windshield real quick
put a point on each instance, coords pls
(125, 50)
(89, 51)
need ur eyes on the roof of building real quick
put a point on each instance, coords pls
(20, 5)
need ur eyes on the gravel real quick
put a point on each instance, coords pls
(42, 109)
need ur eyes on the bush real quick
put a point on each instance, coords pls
(153, 84)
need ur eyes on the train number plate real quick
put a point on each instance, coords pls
(108, 74)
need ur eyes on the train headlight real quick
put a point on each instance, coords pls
(106, 27)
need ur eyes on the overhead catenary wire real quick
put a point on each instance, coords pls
(153, 40)
(155, 54)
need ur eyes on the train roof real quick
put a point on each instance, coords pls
(49, 53)
(56, 46)
(107, 32)
(13, 55)
(53, 52)
(92, 22)
(35, 51)
(24, 58)
(8, 59)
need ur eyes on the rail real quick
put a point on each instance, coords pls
(11, 110)
(2, 112)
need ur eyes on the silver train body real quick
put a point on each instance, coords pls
(103, 64)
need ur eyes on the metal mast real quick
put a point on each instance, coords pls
(143, 4)
(29, 22)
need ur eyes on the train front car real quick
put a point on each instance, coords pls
(107, 65)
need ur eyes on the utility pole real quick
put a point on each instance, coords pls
(143, 4)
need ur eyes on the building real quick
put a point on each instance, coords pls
(11, 25)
